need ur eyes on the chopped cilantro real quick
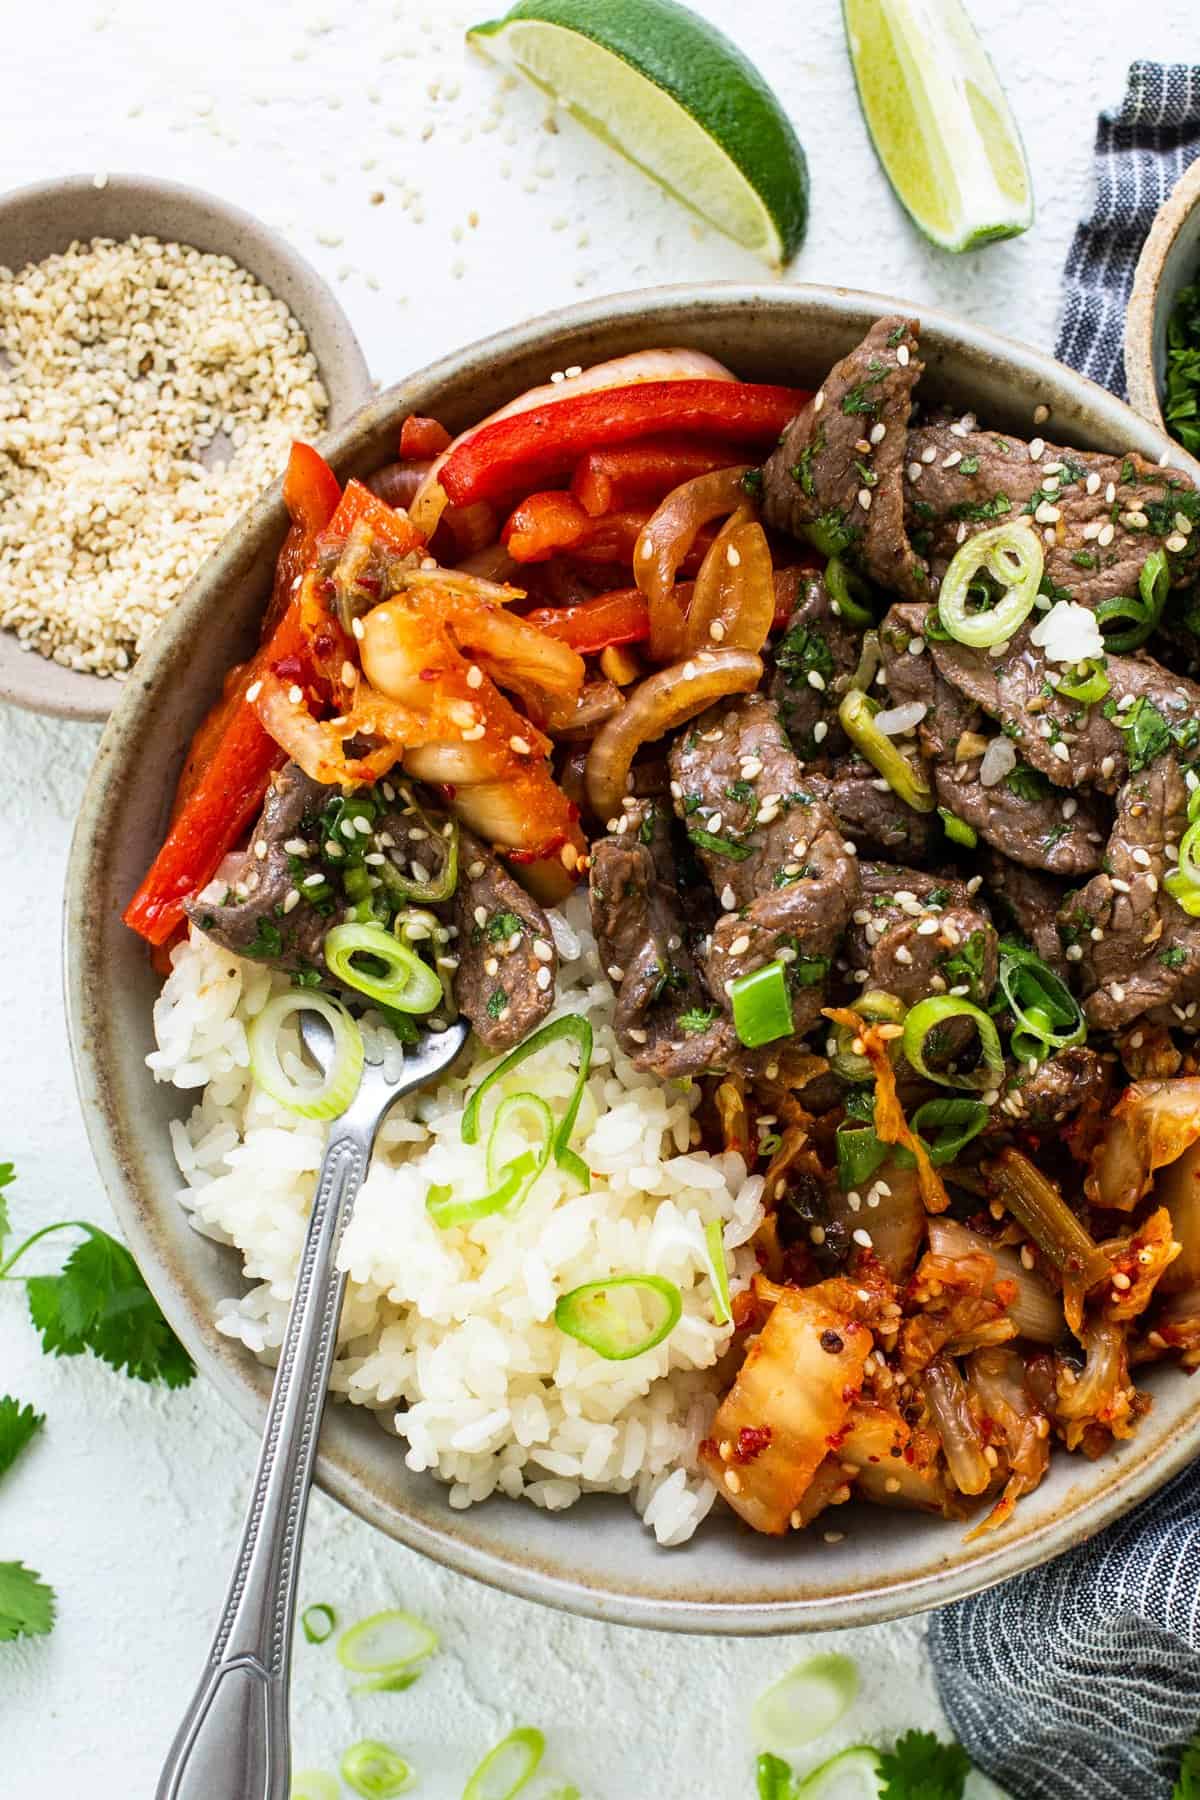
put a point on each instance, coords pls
(719, 846)
(696, 1019)
(976, 513)
(306, 975)
(920, 1767)
(17, 1425)
(502, 925)
(808, 971)
(801, 651)
(1083, 559)
(969, 465)
(859, 1103)
(1027, 783)
(1174, 958)
(266, 942)
(752, 482)
(964, 968)
(497, 1001)
(1146, 733)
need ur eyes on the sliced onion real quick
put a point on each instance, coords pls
(733, 601)
(385, 1642)
(895, 720)
(311, 1100)
(805, 1703)
(665, 540)
(657, 705)
(999, 760)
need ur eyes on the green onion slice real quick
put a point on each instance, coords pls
(953, 1122)
(572, 1026)
(854, 1774)
(1183, 881)
(313, 1784)
(318, 1623)
(773, 1778)
(928, 1016)
(1088, 683)
(1046, 1013)
(415, 925)
(1012, 555)
(1143, 612)
(622, 1317)
(714, 1243)
(385, 1643)
(440, 886)
(375, 1771)
(859, 1153)
(508, 1182)
(762, 1006)
(846, 1061)
(851, 595)
(957, 830)
(805, 1703)
(311, 1100)
(398, 978)
(506, 1769)
(857, 714)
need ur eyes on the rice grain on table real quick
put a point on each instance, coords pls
(148, 393)
(449, 1335)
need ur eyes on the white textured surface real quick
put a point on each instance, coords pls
(131, 1501)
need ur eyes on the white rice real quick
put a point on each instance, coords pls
(449, 1335)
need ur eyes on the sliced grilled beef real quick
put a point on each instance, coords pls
(266, 914)
(506, 956)
(915, 935)
(1137, 950)
(816, 643)
(869, 812)
(1104, 513)
(913, 678)
(665, 1020)
(839, 467)
(1026, 819)
(1057, 1088)
(774, 854)
(1030, 900)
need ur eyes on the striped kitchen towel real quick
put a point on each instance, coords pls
(1081, 1679)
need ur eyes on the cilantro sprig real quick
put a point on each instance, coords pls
(1187, 1787)
(921, 1767)
(17, 1425)
(26, 1603)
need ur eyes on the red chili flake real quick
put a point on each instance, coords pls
(290, 668)
(910, 1455)
(752, 1440)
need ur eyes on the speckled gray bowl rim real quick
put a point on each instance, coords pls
(596, 1559)
(144, 204)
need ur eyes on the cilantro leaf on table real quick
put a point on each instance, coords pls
(920, 1767)
(1188, 1785)
(101, 1303)
(26, 1603)
(17, 1425)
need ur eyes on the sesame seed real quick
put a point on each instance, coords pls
(952, 461)
(816, 680)
(1061, 751)
(728, 901)
(862, 1237)
(878, 433)
(1105, 535)
(312, 880)
(1092, 484)
(253, 691)
(1176, 542)
(520, 745)
(913, 471)
(740, 945)
(1108, 767)
(716, 631)
(903, 954)
(864, 498)
(927, 927)
(732, 556)
(1041, 413)
(544, 977)
(902, 355)
(295, 695)
(1037, 448)
(291, 899)
(1047, 514)
(1117, 991)
(929, 454)
(820, 731)
(816, 1234)
(715, 822)
(849, 847)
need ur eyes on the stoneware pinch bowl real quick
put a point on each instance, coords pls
(40, 221)
(1170, 259)
(596, 1558)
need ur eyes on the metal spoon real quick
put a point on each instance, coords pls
(233, 1743)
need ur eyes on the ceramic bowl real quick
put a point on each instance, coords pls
(595, 1558)
(1170, 259)
(36, 222)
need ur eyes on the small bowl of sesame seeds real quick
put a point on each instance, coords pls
(159, 350)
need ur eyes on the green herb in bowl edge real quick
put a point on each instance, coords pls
(1181, 401)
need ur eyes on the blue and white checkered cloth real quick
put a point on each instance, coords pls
(1081, 1679)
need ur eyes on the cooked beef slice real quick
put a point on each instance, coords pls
(869, 812)
(915, 935)
(1026, 819)
(774, 854)
(504, 943)
(1057, 1088)
(1137, 949)
(665, 1021)
(1104, 514)
(816, 645)
(1071, 744)
(1029, 901)
(913, 678)
(259, 917)
(839, 467)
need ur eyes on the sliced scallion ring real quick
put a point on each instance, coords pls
(440, 886)
(857, 715)
(953, 1122)
(318, 1623)
(385, 1642)
(928, 1016)
(773, 1778)
(854, 1774)
(622, 1317)
(805, 1703)
(573, 1026)
(762, 1006)
(313, 1784)
(399, 977)
(859, 1153)
(851, 594)
(311, 1100)
(873, 1006)
(957, 830)
(1182, 881)
(375, 1770)
(415, 925)
(506, 1769)
(1012, 555)
(1143, 611)
(1087, 682)
(508, 1182)
(1046, 1014)
(714, 1243)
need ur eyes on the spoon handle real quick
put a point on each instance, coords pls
(233, 1743)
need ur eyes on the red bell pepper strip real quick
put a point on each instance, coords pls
(394, 530)
(231, 757)
(532, 449)
(618, 618)
(554, 524)
(421, 438)
(642, 474)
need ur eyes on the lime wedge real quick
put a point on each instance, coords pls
(677, 99)
(939, 120)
